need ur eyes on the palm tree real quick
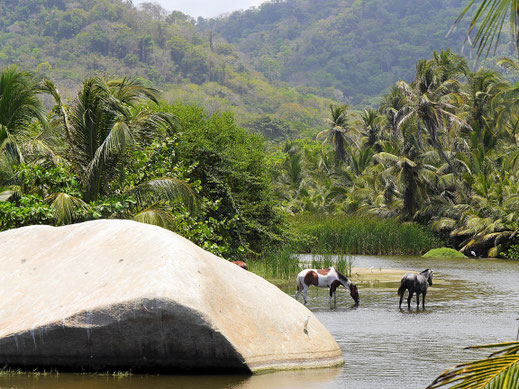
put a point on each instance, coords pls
(505, 103)
(100, 127)
(341, 132)
(484, 86)
(19, 106)
(371, 129)
(412, 178)
(394, 108)
(432, 100)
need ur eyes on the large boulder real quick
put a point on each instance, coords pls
(117, 294)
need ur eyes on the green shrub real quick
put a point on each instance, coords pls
(443, 252)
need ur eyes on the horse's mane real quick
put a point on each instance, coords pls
(342, 277)
(427, 273)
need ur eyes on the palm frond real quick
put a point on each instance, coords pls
(6, 195)
(167, 189)
(66, 207)
(155, 216)
(488, 22)
(500, 370)
(444, 224)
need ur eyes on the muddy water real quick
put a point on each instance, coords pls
(471, 302)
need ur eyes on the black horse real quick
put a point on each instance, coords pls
(415, 283)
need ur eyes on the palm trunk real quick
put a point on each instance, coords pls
(438, 147)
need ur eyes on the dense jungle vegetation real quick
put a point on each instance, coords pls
(437, 153)
(440, 151)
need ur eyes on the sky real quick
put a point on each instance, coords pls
(204, 8)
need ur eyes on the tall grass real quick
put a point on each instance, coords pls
(341, 262)
(360, 235)
(282, 264)
(285, 265)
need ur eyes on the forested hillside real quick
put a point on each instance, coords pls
(68, 41)
(359, 47)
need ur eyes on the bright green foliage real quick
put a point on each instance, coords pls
(513, 252)
(232, 167)
(19, 106)
(204, 178)
(208, 227)
(30, 209)
(443, 252)
(110, 155)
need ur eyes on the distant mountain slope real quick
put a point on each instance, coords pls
(69, 40)
(360, 47)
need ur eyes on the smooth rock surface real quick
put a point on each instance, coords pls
(117, 294)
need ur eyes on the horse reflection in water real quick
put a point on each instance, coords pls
(325, 278)
(415, 283)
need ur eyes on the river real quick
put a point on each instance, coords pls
(471, 301)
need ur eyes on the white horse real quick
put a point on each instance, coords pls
(325, 278)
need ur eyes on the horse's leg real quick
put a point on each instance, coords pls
(417, 300)
(409, 299)
(423, 299)
(333, 291)
(305, 289)
(401, 298)
(298, 292)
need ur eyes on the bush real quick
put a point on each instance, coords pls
(443, 252)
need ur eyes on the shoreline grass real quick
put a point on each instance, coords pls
(360, 235)
(279, 266)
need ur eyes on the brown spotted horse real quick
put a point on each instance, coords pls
(325, 278)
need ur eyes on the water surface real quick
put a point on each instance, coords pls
(472, 301)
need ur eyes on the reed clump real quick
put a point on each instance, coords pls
(283, 265)
(279, 264)
(361, 235)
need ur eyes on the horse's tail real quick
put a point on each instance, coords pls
(403, 287)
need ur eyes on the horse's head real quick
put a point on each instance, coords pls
(354, 293)
(428, 274)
